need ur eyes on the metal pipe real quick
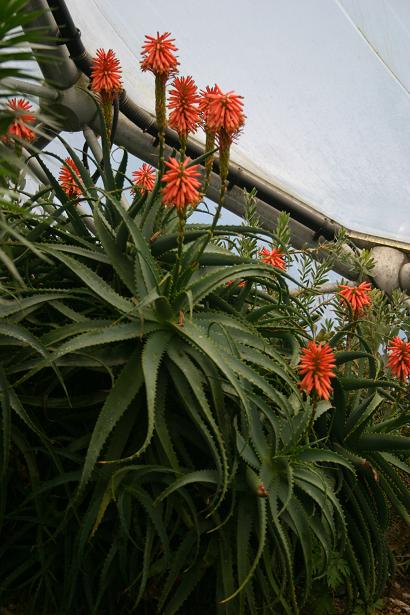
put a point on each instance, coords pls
(271, 195)
(42, 91)
(71, 36)
(35, 168)
(51, 55)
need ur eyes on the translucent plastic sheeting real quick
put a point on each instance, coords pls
(385, 25)
(325, 85)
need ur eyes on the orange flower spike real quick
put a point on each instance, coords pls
(157, 54)
(19, 126)
(316, 365)
(206, 97)
(158, 57)
(356, 296)
(399, 358)
(144, 178)
(181, 184)
(66, 179)
(225, 111)
(183, 100)
(273, 257)
(106, 73)
(224, 116)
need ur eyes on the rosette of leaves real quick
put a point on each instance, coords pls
(156, 449)
(144, 404)
(365, 425)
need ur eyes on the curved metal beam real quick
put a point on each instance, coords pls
(51, 54)
(137, 131)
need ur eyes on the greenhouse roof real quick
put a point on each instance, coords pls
(326, 88)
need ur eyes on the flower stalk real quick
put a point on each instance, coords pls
(209, 163)
(223, 174)
(311, 419)
(158, 58)
(180, 243)
(106, 106)
(106, 82)
(160, 112)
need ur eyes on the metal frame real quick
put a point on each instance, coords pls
(136, 131)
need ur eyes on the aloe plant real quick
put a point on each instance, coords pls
(157, 452)
(172, 376)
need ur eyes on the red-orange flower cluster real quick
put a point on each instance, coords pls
(273, 257)
(19, 126)
(181, 184)
(224, 111)
(106, 73)
(157, 54)
(183, 100)
(317, 362)
(399, 358)
(144, 178)
(223, 118)
(67, 180)
(205, 100)
(356, 296)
